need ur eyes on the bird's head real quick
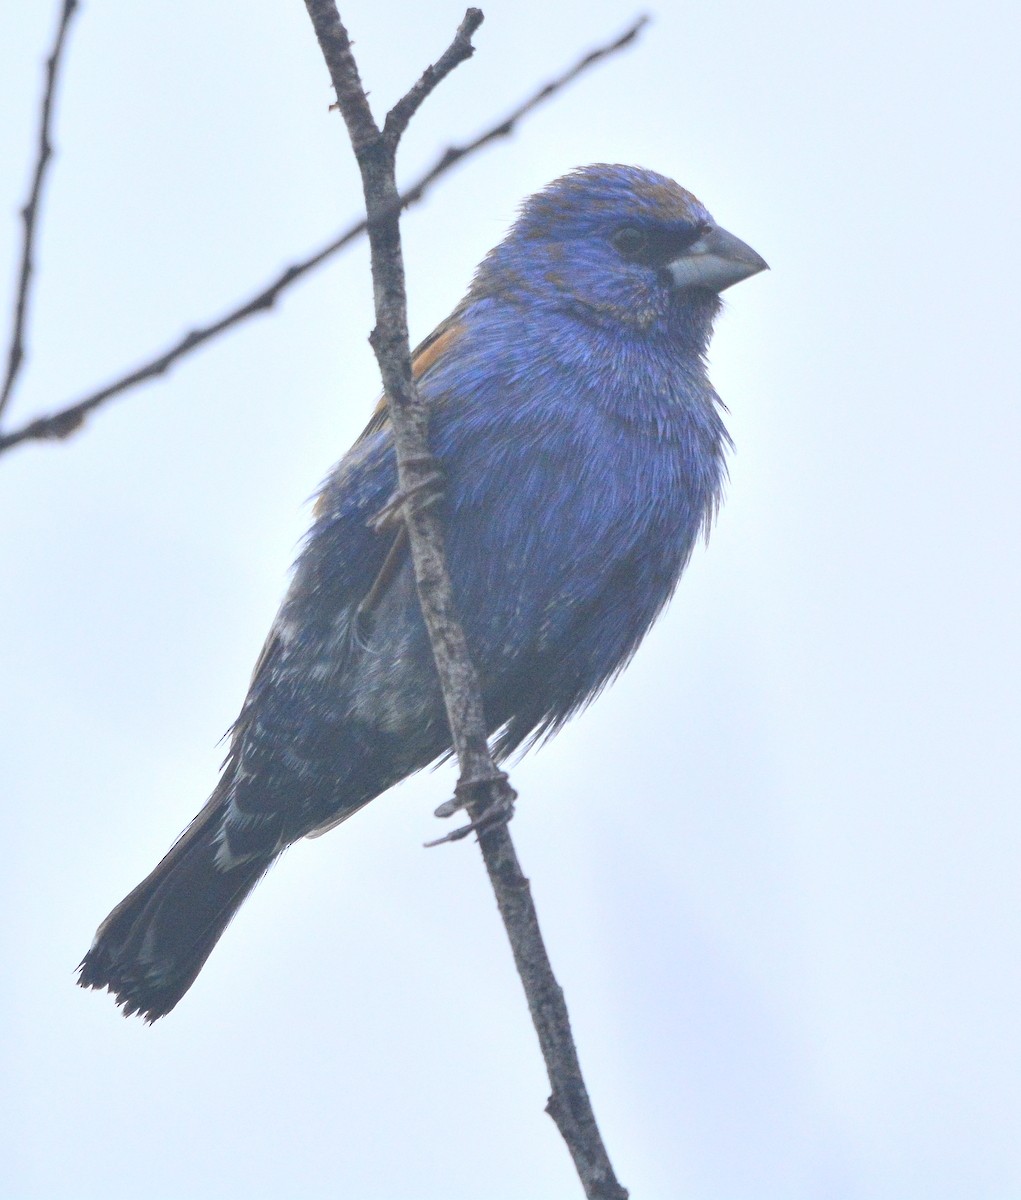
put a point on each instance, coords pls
(622, 246)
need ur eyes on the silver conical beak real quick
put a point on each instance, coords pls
(716, 261)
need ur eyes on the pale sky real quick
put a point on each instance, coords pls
(776, 864)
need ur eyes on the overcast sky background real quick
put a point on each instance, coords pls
(777, 864)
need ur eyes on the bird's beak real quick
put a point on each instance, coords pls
(716, 261)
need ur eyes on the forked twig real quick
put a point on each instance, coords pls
(67, 419)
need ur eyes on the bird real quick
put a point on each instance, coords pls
(582, 453)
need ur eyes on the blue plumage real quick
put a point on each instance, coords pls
(582, 451)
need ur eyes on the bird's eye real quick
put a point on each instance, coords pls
(630, 241)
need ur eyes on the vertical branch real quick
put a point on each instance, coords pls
(30, 213)
(482, 788)
(375, 152)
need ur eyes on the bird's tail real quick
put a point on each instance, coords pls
(149, 950)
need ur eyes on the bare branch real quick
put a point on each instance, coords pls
(65, 421)
(71, 417)
(506, 127)
(482, 789)
(30, 213)
(457, 52)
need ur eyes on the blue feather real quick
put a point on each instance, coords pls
(582, 451)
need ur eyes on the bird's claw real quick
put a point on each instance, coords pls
(425, 492)
(498, 812)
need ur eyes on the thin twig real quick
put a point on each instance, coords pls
(506, 127)
(67, 419)
(459, 50)
(483, 790)
(30, 213)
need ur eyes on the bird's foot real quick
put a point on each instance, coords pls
(423, 493)
(497, 812)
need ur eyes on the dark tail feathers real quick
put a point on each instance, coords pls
(149, 950)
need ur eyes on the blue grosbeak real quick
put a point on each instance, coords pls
(582, 451)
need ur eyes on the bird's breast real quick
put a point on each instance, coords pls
(548, 514)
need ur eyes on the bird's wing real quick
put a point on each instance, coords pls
(425, 356)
